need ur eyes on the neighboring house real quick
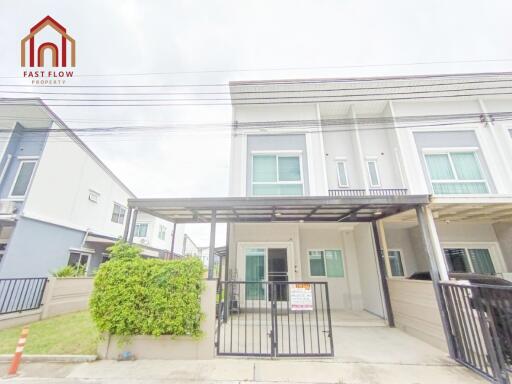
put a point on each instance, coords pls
(59, 203)
(151, 231)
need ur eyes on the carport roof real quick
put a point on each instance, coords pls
(278, 209)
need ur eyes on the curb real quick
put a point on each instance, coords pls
(51, 358)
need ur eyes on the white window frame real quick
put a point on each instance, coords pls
(81, 253)
(160, 231)
(147, 230)
(325, 265)
(277, 154)
(344, 162)
(377, 173)
(456, 180)
(494, 251)
(23, 160)
(399, 250)
(113, 210)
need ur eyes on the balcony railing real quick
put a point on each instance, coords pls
(370, 192)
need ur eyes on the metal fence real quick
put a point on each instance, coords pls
(21, 294)
(264, 319)
(480, 322)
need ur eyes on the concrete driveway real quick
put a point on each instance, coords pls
(364, 355)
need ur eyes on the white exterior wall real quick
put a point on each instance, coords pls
(152, 238)
(351, 292)
(60, 189)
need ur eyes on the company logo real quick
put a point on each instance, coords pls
(40, 41)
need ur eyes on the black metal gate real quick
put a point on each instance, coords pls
(480, 326)
(274, 318)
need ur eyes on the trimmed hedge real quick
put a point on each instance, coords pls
(136, 296)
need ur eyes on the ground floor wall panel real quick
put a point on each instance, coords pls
(37, 248)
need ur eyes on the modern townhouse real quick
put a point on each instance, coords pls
(391, 137)
(340, 191)
(59, 203)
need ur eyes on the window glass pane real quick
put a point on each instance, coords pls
(466, 166)
(24, 175)
(373, 173)
(342, 174)
(289, 168)
(457, 259)
(277, 189)
(481, 260)
(83, 260)
(439, 167)
(395, 261)
(264, 168)
(459, 188)
(254, 271)
(334, 263)
(316, 263)
(141, 230)
(74, 258)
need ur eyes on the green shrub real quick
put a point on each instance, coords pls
(69, 271)
(123, 250)
(135, 296)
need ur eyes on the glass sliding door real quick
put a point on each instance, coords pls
(265, 264)
(254, 272)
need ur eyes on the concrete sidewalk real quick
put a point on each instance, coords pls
(241, 370)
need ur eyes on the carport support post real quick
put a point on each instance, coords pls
(382, 273)
(172, 240)
(211, 254)
(132, 226)
(127, 224)
(422, 213)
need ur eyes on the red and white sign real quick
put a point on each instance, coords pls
(301, 297)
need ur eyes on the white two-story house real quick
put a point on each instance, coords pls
(59, 203)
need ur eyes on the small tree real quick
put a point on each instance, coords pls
(123, 250)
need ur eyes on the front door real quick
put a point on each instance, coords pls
(266, 264)
(277, 262)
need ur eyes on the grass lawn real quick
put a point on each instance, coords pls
(73, 334)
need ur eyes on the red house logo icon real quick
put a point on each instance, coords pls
(65, 41)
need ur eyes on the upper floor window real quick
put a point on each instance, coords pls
(373, 173)
(341, 169)
(141, 230)
(455, 173)
(23, 177)
(277, 174)
(118, 213)
(161, 232)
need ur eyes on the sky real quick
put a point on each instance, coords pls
(128, 42)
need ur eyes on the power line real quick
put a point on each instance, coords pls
(138, 104)
(285, 97)
(254, 92)
(281, 82)
(287, 68)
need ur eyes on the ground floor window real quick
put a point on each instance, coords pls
(78, 260)
(326, 263)
(467, 260)
(141, 230)
(396, 263)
